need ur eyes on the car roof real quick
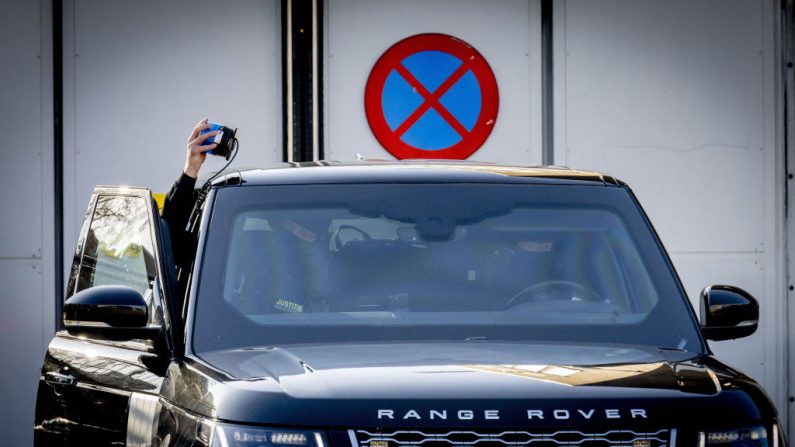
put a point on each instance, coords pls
(410, 171)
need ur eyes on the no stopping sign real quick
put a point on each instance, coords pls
(431, 96)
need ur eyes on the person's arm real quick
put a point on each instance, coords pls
(179, 203)
(182, 196)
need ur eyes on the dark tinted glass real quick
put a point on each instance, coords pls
(302, 264)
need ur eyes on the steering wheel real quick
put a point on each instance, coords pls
(338, 240)
(555, 290)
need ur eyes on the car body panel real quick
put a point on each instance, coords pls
(297, 385)
(86, 384)
(94, 407)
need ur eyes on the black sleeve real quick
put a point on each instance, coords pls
(176, 211)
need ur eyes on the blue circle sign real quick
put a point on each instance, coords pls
(431, 96)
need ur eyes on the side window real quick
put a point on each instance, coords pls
(118, 247)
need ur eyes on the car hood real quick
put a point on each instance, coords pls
(461, 384)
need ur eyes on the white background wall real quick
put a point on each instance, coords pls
(139, 75)
(679, 99)
(26, 238)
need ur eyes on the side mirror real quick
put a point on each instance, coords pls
(727, 313)
(114, 312)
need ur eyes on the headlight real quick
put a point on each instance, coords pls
(747, 437)
(227, 435)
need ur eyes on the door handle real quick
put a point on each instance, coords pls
(60, 379)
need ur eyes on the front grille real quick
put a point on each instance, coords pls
(541, 438)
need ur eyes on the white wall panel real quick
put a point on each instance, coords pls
(678, 98)
(21, 346)
(505, 32)
(20, 183)
(26, 216)
(21, 118)
(139, 75)
(668, 97)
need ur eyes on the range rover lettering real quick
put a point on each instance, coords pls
(393, 304)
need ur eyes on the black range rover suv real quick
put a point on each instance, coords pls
(394, 304)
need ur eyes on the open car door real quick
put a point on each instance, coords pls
(100, 387)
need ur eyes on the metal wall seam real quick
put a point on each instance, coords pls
(58, 202)
(287, 39)
(788, 90)
(315, 86)
(302, 90)
(547, 85)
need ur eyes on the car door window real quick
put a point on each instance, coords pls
(118, 246)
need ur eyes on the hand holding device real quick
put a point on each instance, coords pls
(224, 139)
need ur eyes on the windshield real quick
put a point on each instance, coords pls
(406, 262)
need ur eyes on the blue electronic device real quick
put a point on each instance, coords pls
(225, 139)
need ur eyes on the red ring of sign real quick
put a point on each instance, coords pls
(392, 58)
